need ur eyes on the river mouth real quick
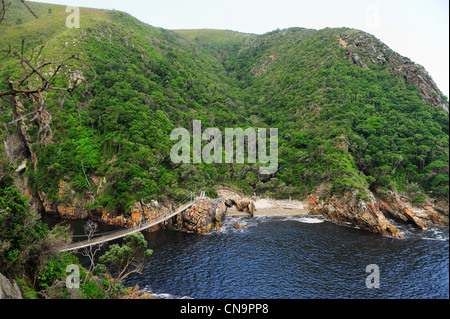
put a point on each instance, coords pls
(302, 257)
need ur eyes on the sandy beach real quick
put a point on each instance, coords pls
(264, 206)
(270, 207)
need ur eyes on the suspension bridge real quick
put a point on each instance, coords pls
(123, 232)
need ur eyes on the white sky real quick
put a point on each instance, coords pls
(417, 29)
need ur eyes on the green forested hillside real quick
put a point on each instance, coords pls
(341, 123)
(347, 108)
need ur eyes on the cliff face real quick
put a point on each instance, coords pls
(373, 214)
(363, 48)
(9, 289)
(140, 213)
(204, 216)
(421, 215)
(365, 215)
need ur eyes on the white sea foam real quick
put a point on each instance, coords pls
(149, 290)
(307, 220)
(433, 232)
(229, 222)
(436, 234)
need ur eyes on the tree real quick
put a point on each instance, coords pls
(129, 258)
(90, 228)
(26, 244)
(35, 80)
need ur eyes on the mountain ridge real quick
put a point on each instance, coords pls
(355, 118)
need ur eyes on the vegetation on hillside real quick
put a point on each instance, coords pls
(340, 125)
(347, 121)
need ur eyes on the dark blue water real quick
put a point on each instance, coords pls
(295, 258)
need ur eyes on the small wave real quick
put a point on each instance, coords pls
(300, 219)
(148, 289)
(229, 223)
(308, 220)
(436, 239)
(436, 234)
(169, 296)
(433, 232)
(163, 296)
(303, 219)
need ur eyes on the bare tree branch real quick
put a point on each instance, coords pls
(45, 73)
(3, 8)
(90, 228)
(29, 9)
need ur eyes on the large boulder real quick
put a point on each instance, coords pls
(202, 217)
(245, 205)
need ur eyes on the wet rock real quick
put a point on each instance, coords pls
(392, 205)
(349, 209)
(393, 208)
(431, 214)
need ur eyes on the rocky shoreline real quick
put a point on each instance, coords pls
(208, 215)
(205, 215)
(373, 214)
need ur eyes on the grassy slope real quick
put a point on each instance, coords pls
(141, 83)
(214, 37)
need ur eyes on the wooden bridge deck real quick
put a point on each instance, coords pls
(123, 232)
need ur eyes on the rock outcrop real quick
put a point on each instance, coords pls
(393, 207)
(136, 293)
(349, 209)
(372, 214)
(202, 217)
(356, 60)
(431, 213)
(242, 205)
(140, 213)
(363, 48)
(9, 289)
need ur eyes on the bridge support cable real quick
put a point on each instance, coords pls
(105, 237)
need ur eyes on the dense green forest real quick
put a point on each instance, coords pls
(344, 123)
(88, 112)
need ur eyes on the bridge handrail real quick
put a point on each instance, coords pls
(113, 231)
(122, 232)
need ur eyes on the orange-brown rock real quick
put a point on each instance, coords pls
(135, 293)
(237, 225)
(202, 217)
(242, 204)
(349, 209)
(431, 214)
(392, 205)
(371, 214)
